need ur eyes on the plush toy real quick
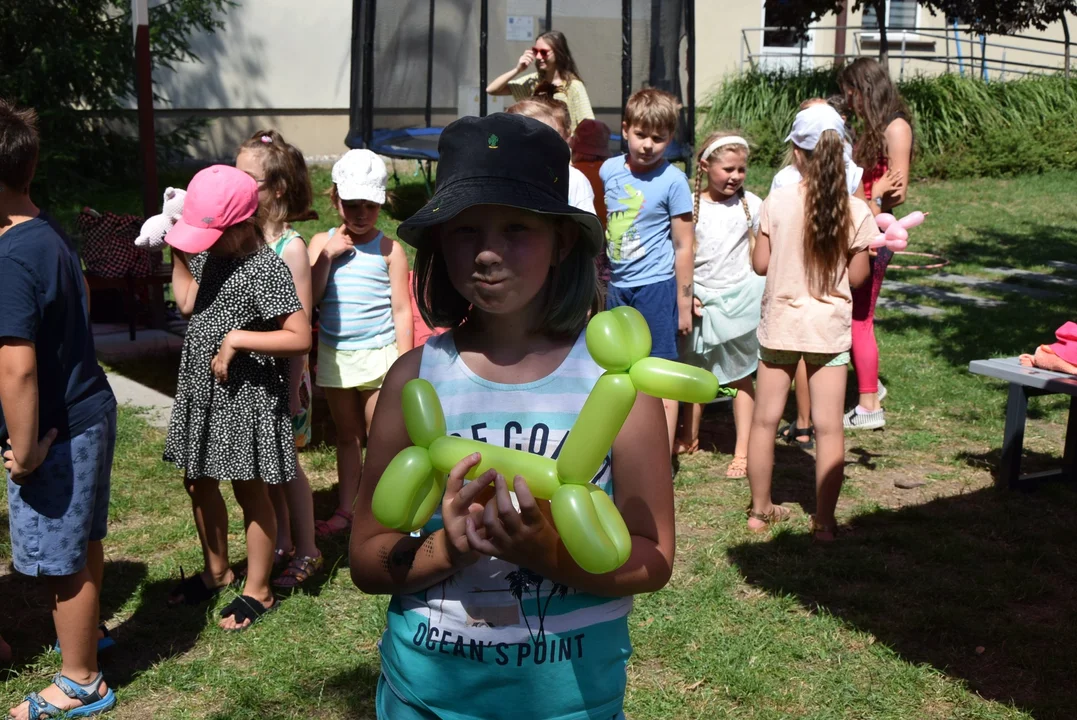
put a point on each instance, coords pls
(153, 231)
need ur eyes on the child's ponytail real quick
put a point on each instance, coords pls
(747, 216)
(826, 210)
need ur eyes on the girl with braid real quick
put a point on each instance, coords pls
(727, 292)
(813, 249)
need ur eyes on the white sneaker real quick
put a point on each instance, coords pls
(854, 420)
(882, 391)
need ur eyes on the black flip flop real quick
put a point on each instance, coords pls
(245, 607)
(791, 432)
(193, 590)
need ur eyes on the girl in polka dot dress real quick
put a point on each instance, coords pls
(230, 420)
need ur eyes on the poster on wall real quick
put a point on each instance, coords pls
(520, 28)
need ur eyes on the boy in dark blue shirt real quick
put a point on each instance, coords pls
(57, 425)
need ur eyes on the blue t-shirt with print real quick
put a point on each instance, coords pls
(639, 227)
(43, 300)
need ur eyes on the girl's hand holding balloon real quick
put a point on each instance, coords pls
(523, 537)
(460, 506)
(895, 233)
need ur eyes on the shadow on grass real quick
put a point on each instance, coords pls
(981, 586)
(996, 247)
(356, 690)
(1031, 462)
(26, 618)
(155, 632)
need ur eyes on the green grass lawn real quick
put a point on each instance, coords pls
(953, 600)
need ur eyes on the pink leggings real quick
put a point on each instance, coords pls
(865, 349)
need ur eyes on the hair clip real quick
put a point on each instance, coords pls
(266, 139)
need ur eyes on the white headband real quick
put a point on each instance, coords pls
(722, 141)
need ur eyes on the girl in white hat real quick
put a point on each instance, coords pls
(360, 279)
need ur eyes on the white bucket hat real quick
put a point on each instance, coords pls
(360, 175)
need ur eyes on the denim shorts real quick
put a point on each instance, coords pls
(657, 303)
(792, 357)
(63, 505)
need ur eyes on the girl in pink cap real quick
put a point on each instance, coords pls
(230, 420)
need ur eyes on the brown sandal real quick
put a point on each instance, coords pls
(298, 571)
(323, 529)
(738, 467)
(777, 514)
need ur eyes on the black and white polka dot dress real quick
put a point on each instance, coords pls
(239, 429)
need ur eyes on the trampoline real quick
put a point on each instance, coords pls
(415, 69)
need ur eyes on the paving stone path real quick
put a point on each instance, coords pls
(945, 296)
(156, 406)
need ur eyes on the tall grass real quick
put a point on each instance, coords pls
(964, 126)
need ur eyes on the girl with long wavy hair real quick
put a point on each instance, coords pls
(553, 64)
(813, 248)
(884, 148)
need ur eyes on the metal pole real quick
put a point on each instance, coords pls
(690, 33)
(355, 103)
(484, 27)
(140, 17)
(626, 51)
(626, 58)
(549, 16)
(368, 72)
(430, 63)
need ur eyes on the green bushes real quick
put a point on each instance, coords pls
(964, 127)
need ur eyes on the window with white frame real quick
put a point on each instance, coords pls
(900, 15)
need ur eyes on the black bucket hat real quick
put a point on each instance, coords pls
(501, 159)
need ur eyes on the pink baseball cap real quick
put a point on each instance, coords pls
(217, 198)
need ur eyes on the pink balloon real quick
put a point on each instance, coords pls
(897, 245)
(878, 242)
(883, 220)
(896, 232)
(911, 220)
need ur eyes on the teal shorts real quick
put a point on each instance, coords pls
(792, 357)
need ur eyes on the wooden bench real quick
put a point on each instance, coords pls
(1027, 382)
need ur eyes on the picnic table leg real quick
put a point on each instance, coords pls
(1013, 439)
(1069, 455)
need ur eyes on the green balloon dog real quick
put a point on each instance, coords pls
(588, 522)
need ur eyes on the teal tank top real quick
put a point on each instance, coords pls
(356, 312)
(496, 639)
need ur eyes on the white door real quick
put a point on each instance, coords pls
(778, 50)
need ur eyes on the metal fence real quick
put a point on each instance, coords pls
(964, 50)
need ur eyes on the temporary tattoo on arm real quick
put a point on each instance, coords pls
(686, 291)
(394, 560)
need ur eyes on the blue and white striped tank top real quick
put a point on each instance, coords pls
(356, 312)
(496, 639)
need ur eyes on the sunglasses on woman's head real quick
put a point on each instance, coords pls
(541, 52)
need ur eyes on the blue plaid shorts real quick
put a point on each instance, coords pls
(63, 505)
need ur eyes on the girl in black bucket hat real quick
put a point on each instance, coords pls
(490, 615)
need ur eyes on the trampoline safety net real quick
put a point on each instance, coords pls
(416, 64)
